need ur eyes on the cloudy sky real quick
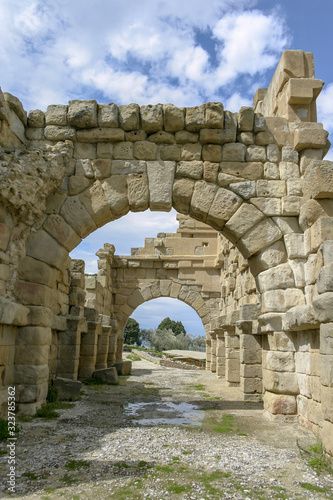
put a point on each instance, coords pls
(181, 51)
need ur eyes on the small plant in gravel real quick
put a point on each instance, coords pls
(314, 455)
(47, 411)
(76, 464)
(313, 487)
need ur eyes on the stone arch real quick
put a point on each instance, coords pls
(256, 176)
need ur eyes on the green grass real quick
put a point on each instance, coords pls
(76, 464)
(314, 456)
(30, 475)
(312, 487)
(4, 434)
(47, 411)
(24, 418)
(176, 488)
(133, 357)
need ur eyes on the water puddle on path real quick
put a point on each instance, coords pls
(164, 413)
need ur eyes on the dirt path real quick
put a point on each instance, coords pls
(164, 433)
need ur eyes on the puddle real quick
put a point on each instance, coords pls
(165, 413)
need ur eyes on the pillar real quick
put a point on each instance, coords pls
(220, 353)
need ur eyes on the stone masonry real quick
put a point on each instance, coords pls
(257, 177)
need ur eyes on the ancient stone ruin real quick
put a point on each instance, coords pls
(260, 276)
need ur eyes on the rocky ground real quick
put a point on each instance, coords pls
(165, 433)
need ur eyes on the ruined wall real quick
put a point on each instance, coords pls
(257, 176)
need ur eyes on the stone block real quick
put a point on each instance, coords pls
(217, 136)
(170, 152)
(326, 339)
(109, 375)
(191, 152)
(280, 404)
(56, 226)
(123, 367)
(245, 119)
(82, 114)
(279, 361)
(255, 153)
(300, 318)
(271, 171)
(224, 205)
(115, 191)
(151, 118)
(96, 204)
(174, 118)
(280, 382)
(234, 152)
(103, 134)
(268, 206)
(36, 118)
(129, 117)
(138, 193)
(271, 188)
(56, 133)
(145, 150)
(191, 169)
(212, 153)
(56, 115)
(43, 247)
(247, 170)
(318, 180)
(323, 307)
(243, 220)
(259, 237)
(202, 199)
(102, 167)
(108, 115)
(69, 390)
(77, 216)
(160, 179)
(279, 277)
(310, 135)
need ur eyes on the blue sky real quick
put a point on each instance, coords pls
(185, 52)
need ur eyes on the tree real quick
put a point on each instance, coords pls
(132, 332)
(176, 327)
(165, 340)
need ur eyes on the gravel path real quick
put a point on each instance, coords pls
(161, 434)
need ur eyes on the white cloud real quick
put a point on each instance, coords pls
(325, 107)
(236, 101)
(57, 50)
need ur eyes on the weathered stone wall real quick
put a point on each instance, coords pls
(257, 176)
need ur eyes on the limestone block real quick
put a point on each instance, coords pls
(31, 354)
(119, 167)
(76, 215)
(123, 151)
(191, 152)
(82, 114)
(327, 434)
(12, 313)
(273, 153)
(174, 118)
(170, 153)
(223, 207)
(251, 171)
(251, 385)
(326, 375)
(280, 382)
(212, 153)
(108, 115)
(95, 202)
(210, 171)
(250, 356)
(278, 277)
(104, 150)
(271, 188)
(250, 371)
(310, 135)
(271, 171)
(151, 118)
(279, 361)
(214, 115)
(56, 115)
(115, 190)
(291, 205)
(103, 134)
(144, 150)
(244, 219)
(217, 136)
(234, 152)
(318, 180)
(31, 374)
(259, 237)
(326, 339)
(325, 279)
(192, 169)
(245, 138)
(34, 336)
(280, 404)
(38, 272)
(4, 236)
(289, 170)
(77, 184)
(34, 134)
(245, 119)
(245, 189)
(268, 206)
(321, 231)
(307, 155)
(326, 250)
(162, 137)
(195, 118)
(101, 168)
(160, 180)
(282, 300)
(281, 341)
(138, 193)
(295, 187)
(84, 168)
(123, 367)
(36, 118)
(256, 153)
(69, 390)
(83, 150)
(311, 410)
(109, 375)
(42, 246)
(182, 194)
(56, 133)
(202, 199)
(294, 245)
(184, 137)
